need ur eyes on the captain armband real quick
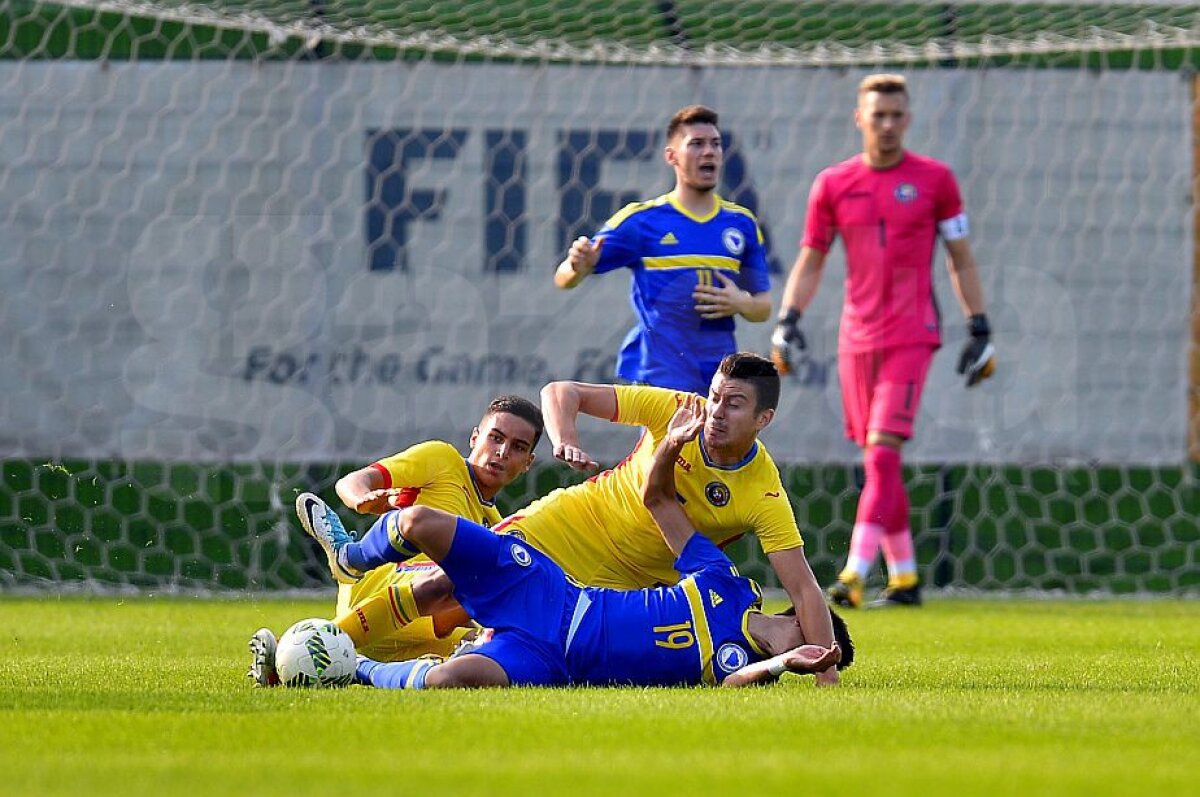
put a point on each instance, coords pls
(954, 228)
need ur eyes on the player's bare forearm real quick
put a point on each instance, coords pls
(566, 277)
(580, 261)
(358, 489)
(756, 307)
(658, 495)
(561, 404)
(803, 281)
(658, 490)
(964, 277)
(803, 660)
(797, 579)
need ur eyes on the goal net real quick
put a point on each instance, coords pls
(247, 246)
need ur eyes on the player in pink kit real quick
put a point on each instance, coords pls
(889, 206)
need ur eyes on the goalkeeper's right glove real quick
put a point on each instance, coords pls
(786, 335)
(978, 359)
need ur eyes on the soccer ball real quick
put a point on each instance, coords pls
(315, 653)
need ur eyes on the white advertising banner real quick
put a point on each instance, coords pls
(295, 262)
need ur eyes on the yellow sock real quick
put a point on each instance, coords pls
(380, 615)
(902, 580)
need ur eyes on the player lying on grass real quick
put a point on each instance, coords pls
(380, 611)
(600, 533)
(706, 629)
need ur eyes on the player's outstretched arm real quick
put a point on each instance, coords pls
(658, 491)
(804, 660)
(561, 404)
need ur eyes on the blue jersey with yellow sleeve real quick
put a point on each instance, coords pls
(694, 632)
(670, 251)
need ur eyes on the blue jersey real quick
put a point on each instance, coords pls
(549, 631)
(670, 251)
(691, 633)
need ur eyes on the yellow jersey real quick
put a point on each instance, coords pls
(435, 474)
(602, 535)
(431, 474)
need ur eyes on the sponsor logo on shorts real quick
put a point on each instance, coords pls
(716, 493)
(520, 555)
(731, 657)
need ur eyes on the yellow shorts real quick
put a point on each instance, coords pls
(415, 639)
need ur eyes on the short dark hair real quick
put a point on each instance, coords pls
(841, 635)
(521, 407)
(691, 115)
(758, 371)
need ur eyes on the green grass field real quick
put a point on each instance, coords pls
(147, 696)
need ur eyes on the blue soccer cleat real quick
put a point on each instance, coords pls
(323, 525)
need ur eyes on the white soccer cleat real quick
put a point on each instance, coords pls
(262, 668)
(322, 524)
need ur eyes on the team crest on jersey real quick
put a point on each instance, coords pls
(731, 657)
(520, 555)
(716, 493)
(905, 192)
(734, 241)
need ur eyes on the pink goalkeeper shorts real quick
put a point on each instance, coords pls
(881, 390)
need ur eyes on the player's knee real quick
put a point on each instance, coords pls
(416, 521)
(432, 590)
(443, 677)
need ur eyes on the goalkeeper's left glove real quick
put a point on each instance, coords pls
(978, 359)
(786, 335)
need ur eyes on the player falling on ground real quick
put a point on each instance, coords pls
(600, 533)
(706, 629)
(381, 612)
(697, 261)
(889, 206)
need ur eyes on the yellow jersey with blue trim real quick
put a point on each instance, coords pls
(695, 632)
(435, 474)
(670, 251)
(600, 533)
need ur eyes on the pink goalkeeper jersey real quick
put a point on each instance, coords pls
(888, 220)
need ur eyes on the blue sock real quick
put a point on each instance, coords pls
(382, 544)
(393, 675)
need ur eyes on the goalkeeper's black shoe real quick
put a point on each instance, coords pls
(846, 594)
(897, 596)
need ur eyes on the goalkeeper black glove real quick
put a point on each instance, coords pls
(786, 335)
(978, 359)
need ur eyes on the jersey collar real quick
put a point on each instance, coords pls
(475, 485)
(708, 462)
(675, 203)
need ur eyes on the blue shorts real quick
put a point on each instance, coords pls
(515, 589)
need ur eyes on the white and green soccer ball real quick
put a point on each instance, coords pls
(315, 653)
